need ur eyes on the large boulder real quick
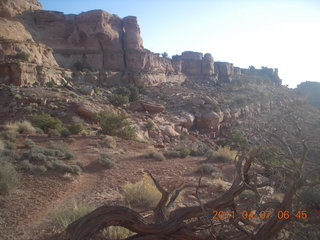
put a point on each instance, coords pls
(207, 120)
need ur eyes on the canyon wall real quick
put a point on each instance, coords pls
(95, 40)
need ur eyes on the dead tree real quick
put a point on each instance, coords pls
(188, 222)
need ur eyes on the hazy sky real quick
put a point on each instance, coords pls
(273, 33)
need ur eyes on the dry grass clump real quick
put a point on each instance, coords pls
(63, 217)
(142, 194)
(109, 142)
(152, 153)
(9, 178)
(20, 127)
(222, 155)
(116, 233)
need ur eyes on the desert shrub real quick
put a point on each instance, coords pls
(143, 193)
(149, 125)
(113, 124)
(83, 66)
(54, 133)
(116, 233)
(9, 136)
(224, 154)
(60, 165)
(106, 161)
(9, 178)
(132, 92)
(11, 127)
(118, 100)
(196, 152)
(154, 154)
(38, 159)
(47, 122)
(26, 127)
(22, 56)
(127, 132)
(20, 127)
(38, 169)
(184, 135)
(184, 152)
(205, 169)
(236, 140)
(62, 149)
(51, 84)
(65, 133)
(29, 143)
(76, 128)
(63, 217)
(109, 142)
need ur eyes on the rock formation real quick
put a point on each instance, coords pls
(95, 40)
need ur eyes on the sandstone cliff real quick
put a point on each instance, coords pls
(95, 40)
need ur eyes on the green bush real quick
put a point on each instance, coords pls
(118, 100)
(116, 125)
(9, 178)
(106, 161)
(127, 132)
(51, 84)
(22, 56)
(236, 140)
(149, 125)
(65, 133)
(76, 128)
(132, 92)
(184, 152)
(47, 122)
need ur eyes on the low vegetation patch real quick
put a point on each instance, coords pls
(154, 154)
(116, 233)
(39, 160)
(223, 154)
(106, 161)
(116, 125)
(46, 122)
(20, 127)
(108, 141)
(9, 178)
(63, 217)
(75, 128)
(142, 194)
(118, 100)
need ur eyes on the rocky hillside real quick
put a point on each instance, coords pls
(311, 90)
(86, 111)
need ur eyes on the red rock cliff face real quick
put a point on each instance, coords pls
(10, 8)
